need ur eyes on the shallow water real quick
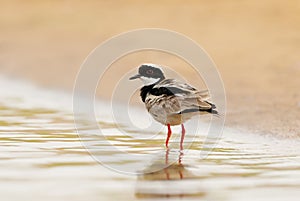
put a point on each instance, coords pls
(42, 157)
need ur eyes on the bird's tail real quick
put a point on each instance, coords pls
(213, 110)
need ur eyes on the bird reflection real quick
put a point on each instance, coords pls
(167, 177)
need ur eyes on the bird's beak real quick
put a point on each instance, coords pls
(135, 77)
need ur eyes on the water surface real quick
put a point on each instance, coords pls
(42, 158)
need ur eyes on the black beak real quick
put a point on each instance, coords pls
(135, 77)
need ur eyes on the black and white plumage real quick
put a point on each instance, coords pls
(169, 101)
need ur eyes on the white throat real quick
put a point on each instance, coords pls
(149, 80)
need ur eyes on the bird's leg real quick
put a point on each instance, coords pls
(169, 135)
(182, 136)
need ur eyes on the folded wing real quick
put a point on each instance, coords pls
(181, 98)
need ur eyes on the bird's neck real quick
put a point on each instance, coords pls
(145, 90)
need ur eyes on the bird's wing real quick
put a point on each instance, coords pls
(180, 97)
(170, 83)
(179, 88)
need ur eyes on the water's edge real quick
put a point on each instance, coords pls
(43, 157)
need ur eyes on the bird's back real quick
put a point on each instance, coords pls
(172, 101)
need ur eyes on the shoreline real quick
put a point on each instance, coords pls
(29, 88)
(277, 118)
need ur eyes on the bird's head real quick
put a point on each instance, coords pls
(149, 74)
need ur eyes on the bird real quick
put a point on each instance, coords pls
(169, 101)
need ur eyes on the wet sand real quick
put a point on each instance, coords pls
(255, 44)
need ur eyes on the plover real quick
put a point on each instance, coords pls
(169, 101)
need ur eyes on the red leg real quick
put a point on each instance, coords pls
(182, 136)
(169, 135)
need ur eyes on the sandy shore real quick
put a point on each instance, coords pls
(255, 44)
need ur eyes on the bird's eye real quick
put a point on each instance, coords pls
(149, 71)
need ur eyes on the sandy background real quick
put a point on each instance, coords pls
(255, 44)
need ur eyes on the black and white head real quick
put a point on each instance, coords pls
(149, 74)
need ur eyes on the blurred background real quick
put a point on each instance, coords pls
(255, 44)
(256, 47)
